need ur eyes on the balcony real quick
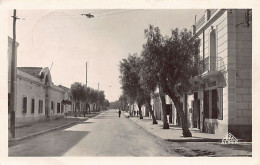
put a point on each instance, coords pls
(200, 22)
(210, 69)
(210, 64)
(205, 18)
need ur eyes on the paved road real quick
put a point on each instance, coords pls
(103, 135)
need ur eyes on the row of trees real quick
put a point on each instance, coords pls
(121, 103)
(166, 63)
(80, 93)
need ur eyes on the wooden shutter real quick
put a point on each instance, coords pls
(214, 102)
(32, 108)
(220, 103)
(24, 104)
(39, 108)
(58, 107)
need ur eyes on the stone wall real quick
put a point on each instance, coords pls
(240, 75)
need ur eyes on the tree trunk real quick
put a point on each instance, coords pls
(185, 130)
(151, 111)
(76, 109)
(170, 118)
(140, 111)
(165, 121)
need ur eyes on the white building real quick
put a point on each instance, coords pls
(222, 103)
(37, 97)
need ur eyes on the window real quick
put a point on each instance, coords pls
(32, 107)
(40, 106)
(213, 50)
(52, 105)
(215, 98)
(58, 107)
(24, 104)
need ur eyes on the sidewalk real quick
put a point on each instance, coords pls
(38, 128)
(173, 134)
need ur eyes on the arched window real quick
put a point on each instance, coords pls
(213, 50)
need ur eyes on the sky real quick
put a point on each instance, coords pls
(65, 40)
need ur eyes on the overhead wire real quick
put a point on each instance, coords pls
(116, 13)
(103, 11)
(73, 16)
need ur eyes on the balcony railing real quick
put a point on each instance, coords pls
(200, 22)
(203, 19)
(211, 64)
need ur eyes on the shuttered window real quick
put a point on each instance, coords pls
(206, 104)
(220, 103)
(24, 104)
(40, 106)
(52, 105)
(32, 106)
(58, 107)
(214, 104)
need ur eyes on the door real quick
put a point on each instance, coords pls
(196, 114)
(205, 113)
(169, 112)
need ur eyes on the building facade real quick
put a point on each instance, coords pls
(170, 109)
(37, 97)
(222, 100)
(222, 103)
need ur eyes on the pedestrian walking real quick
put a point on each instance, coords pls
(119, 112)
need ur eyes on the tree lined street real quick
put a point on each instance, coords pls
(109, 135)
(174, 97)
(103, 135)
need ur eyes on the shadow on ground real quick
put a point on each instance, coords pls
(238, 146)
(51, 144)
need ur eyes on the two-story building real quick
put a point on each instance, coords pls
(222, 103)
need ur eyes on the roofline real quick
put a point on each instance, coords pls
(216, 15)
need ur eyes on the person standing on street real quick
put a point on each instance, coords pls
(119, 112)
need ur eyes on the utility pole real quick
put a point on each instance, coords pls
(98, 86)
(13, 78)
(86, 73)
